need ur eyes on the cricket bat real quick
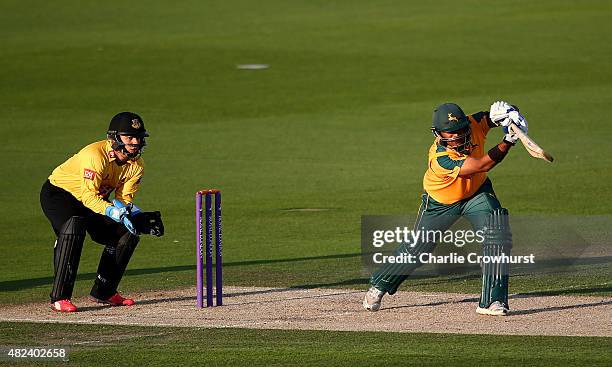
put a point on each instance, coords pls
(531, 146)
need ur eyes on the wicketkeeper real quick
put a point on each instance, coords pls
(76, 200)
(456, 184)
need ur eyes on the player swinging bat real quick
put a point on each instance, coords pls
(456, 185)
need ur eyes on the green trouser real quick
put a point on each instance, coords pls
(436, 216)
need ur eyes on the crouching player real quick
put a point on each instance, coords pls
(456, 184)
(75, 199)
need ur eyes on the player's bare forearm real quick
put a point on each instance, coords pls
(487, 162)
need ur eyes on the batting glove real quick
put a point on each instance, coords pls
(510, 137)
(499, 113)
(519, 120)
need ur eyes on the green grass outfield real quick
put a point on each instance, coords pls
(340, 121)
(90, 345)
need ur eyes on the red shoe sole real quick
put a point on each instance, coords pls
(63, 311)
(126, 302)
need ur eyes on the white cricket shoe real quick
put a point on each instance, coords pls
(495, 309)
(371, 301)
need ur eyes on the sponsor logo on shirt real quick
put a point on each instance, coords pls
(89, 174)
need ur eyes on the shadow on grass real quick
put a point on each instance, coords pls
(560, 308)
(20, 284)
(565, 292)
(354, 281)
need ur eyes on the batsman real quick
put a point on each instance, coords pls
(456, 185)
(76, 200)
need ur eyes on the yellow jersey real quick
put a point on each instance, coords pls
(92, 174)
(441, 180)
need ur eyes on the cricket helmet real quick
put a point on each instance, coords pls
(449, 117)
(130, 124)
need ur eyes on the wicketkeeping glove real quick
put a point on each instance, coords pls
(150, 223)
(121, 214)
(144, 222)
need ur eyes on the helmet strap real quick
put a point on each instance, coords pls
(118, 145)
(461, 149)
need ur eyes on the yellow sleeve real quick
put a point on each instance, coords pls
(92, 169)
(127, 191)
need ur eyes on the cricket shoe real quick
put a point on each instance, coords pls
(115, 300)
(495, 309)
(63, 305)
(372, 299)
